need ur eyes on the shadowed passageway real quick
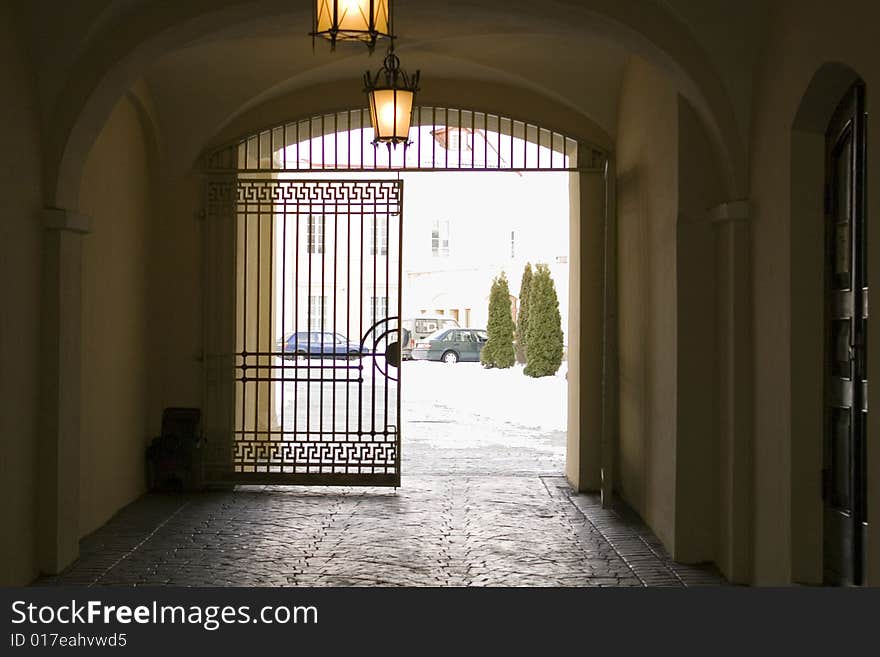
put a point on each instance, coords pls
(482, 503)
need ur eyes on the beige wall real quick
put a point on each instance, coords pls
(20, 267)
(806, 36)
(647, 201)
(175, 291)
(697, 439)
(116, 195)
(667, 182)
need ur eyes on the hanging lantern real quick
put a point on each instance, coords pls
(391, 93)
(353, 20)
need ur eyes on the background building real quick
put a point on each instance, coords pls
(463, 230)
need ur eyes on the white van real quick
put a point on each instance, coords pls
(421, 327)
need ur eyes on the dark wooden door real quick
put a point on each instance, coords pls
(844, 476)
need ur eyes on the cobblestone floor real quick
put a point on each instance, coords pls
(482, 503)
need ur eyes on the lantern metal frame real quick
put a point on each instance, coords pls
(370, 36)
(390, 78)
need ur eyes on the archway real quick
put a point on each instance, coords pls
(268, 309)
(106, 67)
(92, 88)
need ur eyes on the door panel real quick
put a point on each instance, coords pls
(468, 348)
(845, 363)
(458, 345)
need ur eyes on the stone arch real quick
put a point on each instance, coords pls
(807, 242)
(122, 50)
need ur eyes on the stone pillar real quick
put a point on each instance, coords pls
(265, 326)
(61, 346)
(255, 285)
(734, 317)
(583, 466)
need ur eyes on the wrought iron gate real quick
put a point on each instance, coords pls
(313, 378)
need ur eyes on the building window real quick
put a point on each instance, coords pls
(317, 313)
(453, 140)
(459, 139)
(378, 237)
(440, 238)
(512, 244)
(315, 238)
(378, 309)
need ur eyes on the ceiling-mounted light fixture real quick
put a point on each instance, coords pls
(391, 93)
(353, 20)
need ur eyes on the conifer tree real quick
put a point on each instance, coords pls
(498, 350)
(544, 339)
(522, 317)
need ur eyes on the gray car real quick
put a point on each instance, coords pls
(419, 328)
(451, 345)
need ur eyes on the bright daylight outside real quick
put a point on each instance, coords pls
(469, 401)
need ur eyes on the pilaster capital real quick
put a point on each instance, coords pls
(58, 219)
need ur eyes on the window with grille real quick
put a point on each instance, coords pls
(378, 309)
(440, 238)
(459, 140)
(315, 238)
(378, 237)
(317, 313)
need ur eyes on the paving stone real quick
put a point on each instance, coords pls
(462, 517)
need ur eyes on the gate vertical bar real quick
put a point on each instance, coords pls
(387, 255)
(397, 464)
(335, 371)
(284, 338)
(257, 451)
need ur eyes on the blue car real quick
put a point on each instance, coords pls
(317, 344)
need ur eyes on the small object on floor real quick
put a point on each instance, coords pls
(174, 457)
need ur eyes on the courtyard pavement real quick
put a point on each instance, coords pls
(483, 502)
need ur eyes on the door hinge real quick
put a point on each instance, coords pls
(201, 214)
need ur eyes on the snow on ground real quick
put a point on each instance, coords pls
(501, 395)
(458, 419)
(465, 420)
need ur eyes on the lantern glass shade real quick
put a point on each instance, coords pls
(391, 93)
(391, 113)
(353, 20)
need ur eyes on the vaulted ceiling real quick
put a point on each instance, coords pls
(216, 58)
